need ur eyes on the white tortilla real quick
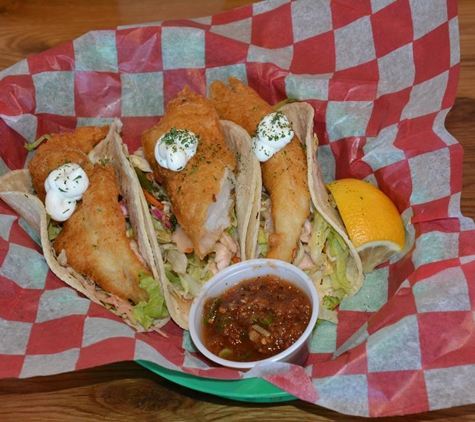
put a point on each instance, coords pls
(248, 187)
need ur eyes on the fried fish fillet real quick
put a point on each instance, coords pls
(200, 194)
(95, 240)
(62, 148)
(285, 175)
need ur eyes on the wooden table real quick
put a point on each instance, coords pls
(126, 391)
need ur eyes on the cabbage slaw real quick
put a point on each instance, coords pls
(185, 271)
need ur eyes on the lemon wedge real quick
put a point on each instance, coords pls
(372, 220)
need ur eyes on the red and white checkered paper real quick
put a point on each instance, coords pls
(382, 76)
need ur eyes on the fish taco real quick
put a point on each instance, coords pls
(81, 196)
(297, 221)
(201, 181)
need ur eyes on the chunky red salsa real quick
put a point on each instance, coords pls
(255, 319)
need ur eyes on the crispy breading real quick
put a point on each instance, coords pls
(94, 237)
(95, 240)
(285, 175)
(194, 190)
(62, 148)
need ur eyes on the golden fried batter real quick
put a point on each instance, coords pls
(95, 239)
(284, 175)
(62, 148)
(195, 189)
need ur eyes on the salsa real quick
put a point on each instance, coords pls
(255, 319)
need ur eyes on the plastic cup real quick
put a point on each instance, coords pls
(298, 352)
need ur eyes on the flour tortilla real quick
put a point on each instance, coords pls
(16, 189)
(248, 187)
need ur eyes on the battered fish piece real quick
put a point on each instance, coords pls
(62, 148)
(284, 175)
(200, 194)
(95, 241)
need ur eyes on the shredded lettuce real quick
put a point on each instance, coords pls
(177, 259)
(339, 251)
(145, 182)
(299, 254)
(36, 144)
(191, 285)
(318, 238)
(172, 277)
(186, 272)
(332, 301)
(163, 236)
(146, 312)
(232, 229)
(328, 315)
(262, 241)
(186, 277)
(53, 231)
(233, 219)
(197, 274)
(130, 232)
(265, 225)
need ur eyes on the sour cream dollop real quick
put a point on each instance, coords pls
(175, 148)
(64, 187)
(273, 133)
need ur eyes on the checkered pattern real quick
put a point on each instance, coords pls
(381, 75)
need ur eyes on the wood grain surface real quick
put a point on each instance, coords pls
(126, 391)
